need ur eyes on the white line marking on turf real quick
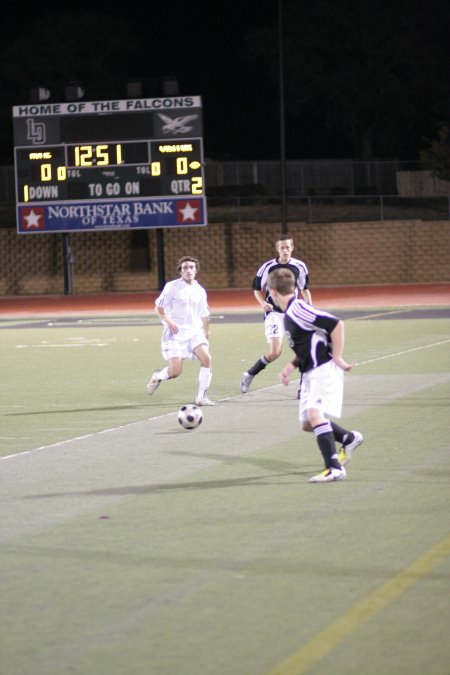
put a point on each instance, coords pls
(406, 351)
(123, 426)
(80, 438)
(386, 312)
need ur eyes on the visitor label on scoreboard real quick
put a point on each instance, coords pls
(108, 215)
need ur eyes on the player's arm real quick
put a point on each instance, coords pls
(165, 319)
(259, 291)
(260, 299)
(337, 346)
(205, 322)
(306, 294)
(287, 370)
(303, 283)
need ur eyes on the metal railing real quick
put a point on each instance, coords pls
(311, 177)
(328, 209)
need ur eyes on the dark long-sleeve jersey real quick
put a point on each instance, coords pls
(309, 333)
(297, 267)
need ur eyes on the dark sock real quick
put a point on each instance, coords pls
(340, 434)
(327, 445)
(258, 366)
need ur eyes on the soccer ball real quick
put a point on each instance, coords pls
(190, 416)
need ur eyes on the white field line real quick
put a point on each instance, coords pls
(406, 351)
(124, 426)
(80, 438)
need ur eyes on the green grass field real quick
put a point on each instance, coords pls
(130, 546)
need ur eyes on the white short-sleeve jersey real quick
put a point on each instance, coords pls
(185, 304)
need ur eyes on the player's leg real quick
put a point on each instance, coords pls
(201, 351)
(349, 441)
(173, 370)
(327, 446)
(274, 331)
(322, 385)
(173, 353)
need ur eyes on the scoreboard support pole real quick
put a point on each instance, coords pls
(68, 263)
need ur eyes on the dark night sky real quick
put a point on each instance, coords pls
(204, 45)
(200, 43)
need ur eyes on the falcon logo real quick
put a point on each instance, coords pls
(189, 211)
(177, 125)
(32, 218)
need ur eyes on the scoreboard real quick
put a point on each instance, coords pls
(103, 165)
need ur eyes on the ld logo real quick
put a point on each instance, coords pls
(35, 132)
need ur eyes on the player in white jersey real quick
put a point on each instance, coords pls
(317, 339)
(273, 314)
(184, 312)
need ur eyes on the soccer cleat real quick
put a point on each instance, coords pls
(203, 400)
(346, 452)
(153, 384)
(245, 382)
(329, 475)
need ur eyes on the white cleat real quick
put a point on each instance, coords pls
(203, 400)
(329, 475)
(153, 384)
(346, 452)
(246, 382)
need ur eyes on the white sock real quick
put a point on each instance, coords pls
(204, 380)
(164, 374)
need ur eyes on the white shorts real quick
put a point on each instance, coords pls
(178, 346)
(322, 388)
(274, 326)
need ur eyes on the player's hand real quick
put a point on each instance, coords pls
(285, 373)
(343, 365)
(172, 327)
(267, 307)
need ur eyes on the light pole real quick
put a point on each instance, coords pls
(282, 124)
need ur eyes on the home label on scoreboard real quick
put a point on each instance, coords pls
(106, 165)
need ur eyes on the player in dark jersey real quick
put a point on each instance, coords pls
(317, 339)
(273, 314)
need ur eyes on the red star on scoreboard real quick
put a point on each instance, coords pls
(189, 211)
(32, 218)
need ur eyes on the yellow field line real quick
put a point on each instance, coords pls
(329, 638)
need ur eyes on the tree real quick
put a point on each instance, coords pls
(436, 154)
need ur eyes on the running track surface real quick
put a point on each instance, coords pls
(229, 300)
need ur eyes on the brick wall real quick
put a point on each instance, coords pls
(337, 254)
